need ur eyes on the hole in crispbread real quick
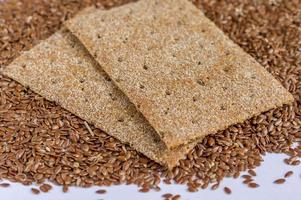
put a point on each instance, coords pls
(180, 23)
(166, 111)
(168, 93)
(120, 120)
(107, 78)
(224, 88)
(95, 54)
(98, 36)
(227, 69)
(120, 59)
(145, 67)
(200, 82)
(157, 139)
(81, 80)
(194, 99)
(23, 66)
(112, 97)
(222, 107)
(142, 86)
(125, 40)
(194, 121)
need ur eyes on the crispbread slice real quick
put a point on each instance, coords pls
(184, 74)
(61, 70)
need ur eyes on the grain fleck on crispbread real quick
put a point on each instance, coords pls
(61, 70)
(186, 77)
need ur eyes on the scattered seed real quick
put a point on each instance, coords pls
(65, 188)
(4, 185)
(192, 189)
(101, 191)
(246, 176)
(279, 181)
(288, 174)
(156, 188)
(214, 186)
(253, 185)
(205, 185)
(227, 190)
(296, 162)
(45, 187)
(167, 181)
(247, 181)
(167, 195)
(176, 197)
(252, 172)
(144, 189)
(35, 191)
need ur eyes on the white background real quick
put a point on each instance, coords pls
(272, 168)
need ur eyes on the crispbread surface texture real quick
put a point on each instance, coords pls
(182, 73)
(61, 70)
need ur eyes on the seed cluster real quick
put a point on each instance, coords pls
(39, 140)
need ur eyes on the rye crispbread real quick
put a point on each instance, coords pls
(183, 73)
(61, 70)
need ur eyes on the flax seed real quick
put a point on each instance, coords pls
(246, 176)
(296, 162)
(227, 190)
(253, 185)
(35, 191)
(214, 186)
(176, 197)
(167, 195)
(279, 181)
(144, 190)
(252, 172)
(4, 185)
(65, 188)
(101, 191)
(288, 174)
(192, 189)
(45, 187)
(247, 181)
